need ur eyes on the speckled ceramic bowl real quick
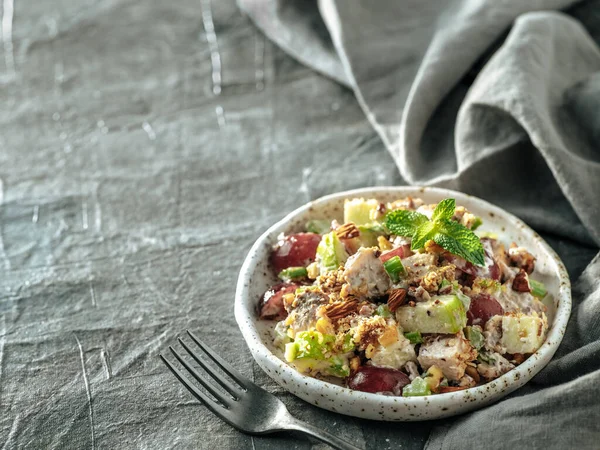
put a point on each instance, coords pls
(256, 277)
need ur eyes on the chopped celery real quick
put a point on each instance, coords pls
(444, 283)
(293, 273)
(485, 357)
(537, 288)
(414, 337)
(476, 223)
(383, 311)
(418, 387)
(331, 253)
(475, 336)
(311, 351)
(318, 226)
(394, 268)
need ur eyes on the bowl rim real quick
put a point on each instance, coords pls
(524, 371)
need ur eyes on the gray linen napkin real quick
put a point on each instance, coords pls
(500, 99)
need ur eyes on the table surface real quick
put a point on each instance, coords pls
(144, 147)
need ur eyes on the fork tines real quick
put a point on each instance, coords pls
(234, 390)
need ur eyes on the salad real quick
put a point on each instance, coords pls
(404, 298)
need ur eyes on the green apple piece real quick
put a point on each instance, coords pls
(523, 334)
(443, 314)
(360, 211)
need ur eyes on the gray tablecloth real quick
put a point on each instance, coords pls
(143, 148)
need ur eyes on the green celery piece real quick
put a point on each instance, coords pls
(293, 273)
(444, 283)
(313, 344)
(403, 222)
(331, 253)
(394, 268)
(484, 357)
(291, 350)
(475, 336)
(444, 209)
(309, 349)
(348, 345)
(383, 311)
(414, 337)
(417, 388)
(318, 226)
(444, 314)
(537, 288)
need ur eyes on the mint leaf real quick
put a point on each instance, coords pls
(424, 233)
(404, 223)
(459, 240)
(444, 209)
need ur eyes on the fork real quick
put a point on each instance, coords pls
(245, 406)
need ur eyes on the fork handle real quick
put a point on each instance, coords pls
(322, 435)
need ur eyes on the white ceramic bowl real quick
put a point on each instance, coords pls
(256, 277)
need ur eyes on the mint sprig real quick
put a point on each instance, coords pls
(448, 234)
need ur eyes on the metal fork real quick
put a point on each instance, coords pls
(245, 406)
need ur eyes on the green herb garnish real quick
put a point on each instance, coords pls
(445, 232)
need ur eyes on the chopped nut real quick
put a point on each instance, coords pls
(396, 298)
(521, 258)
(354, 364)
(312, 270)
(518, 358)
(432, 247)
(347, 231)
(521, 282)
(338, 310)
(472, 372)
(324, 326)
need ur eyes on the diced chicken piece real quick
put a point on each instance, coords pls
(412, 370)
(513, 301)
(497, 366)
(493, 334)
(394, 356)
(303, 309)
(365, 275)
(449, 353)
(521, 258)
(463, 216)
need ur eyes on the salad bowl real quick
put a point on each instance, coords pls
(256, 276)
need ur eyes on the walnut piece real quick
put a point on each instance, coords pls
(347, 231)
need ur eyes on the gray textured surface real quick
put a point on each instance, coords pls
(143, 147)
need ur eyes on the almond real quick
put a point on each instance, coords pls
(338, 310)
(396, 298)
